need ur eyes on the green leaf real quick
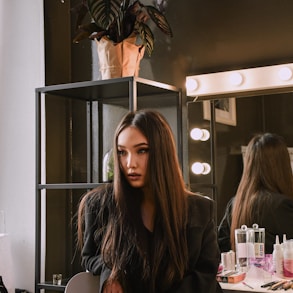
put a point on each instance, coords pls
(160, 20)
(104, 12)
(146, 36)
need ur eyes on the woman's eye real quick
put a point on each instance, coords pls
(121, 153)
(143, 151)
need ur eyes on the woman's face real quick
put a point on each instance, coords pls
(133, 153)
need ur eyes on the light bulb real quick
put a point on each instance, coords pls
(199, 134)
(196, 134)
(285, 73)
(207, 168)
(191, 84)
(197, 168)
(205, 135)
(236, 78)
(200, 168)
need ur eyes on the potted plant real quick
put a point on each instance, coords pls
(118, 25)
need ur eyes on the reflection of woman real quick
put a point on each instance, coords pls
(146, 232)
(264, 195)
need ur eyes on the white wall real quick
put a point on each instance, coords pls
(21, 71)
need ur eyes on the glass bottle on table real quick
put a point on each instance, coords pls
(244, 243)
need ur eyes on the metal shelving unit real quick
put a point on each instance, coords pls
(74, 129)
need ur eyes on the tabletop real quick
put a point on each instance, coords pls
(253, 282)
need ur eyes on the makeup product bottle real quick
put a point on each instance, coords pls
(284, 241)
(244, 243)
(228, 260)
(278, 258)
(288, 259)
(259, 242)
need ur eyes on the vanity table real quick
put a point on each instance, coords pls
(240, 287)
(252, 283)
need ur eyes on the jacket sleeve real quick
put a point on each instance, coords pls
(225, 228)
(275, 218)
(92, 259)
(204, 255)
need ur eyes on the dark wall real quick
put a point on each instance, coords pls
(279, 115)
(208, 36)
(213, 36)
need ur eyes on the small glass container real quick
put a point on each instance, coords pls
(244, 243)
(57, 279)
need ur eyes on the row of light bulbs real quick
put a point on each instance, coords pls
(267, 77)
(236, 78)
(199, 168)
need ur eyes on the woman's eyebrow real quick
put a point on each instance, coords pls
(141, 144)
(136, 145)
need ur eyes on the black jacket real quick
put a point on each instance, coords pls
(204, 255)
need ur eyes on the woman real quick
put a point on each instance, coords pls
(146, 232)
(264, 195)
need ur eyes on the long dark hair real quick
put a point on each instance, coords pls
(168, 187)
(266, 168)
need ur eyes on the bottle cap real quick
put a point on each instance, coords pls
(277, 243)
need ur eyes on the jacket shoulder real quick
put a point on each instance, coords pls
(200, 209)
(99, 198)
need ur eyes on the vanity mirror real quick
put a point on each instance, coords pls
(264, 103)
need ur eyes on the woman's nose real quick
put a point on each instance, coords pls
(131, 161)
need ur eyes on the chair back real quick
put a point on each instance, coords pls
(84, 282)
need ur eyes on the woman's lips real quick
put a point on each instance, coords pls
(133, 176)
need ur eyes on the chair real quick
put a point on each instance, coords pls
(84, 282)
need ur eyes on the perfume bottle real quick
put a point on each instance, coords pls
(278, 258)
(2, 286)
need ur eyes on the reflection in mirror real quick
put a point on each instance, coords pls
(267, 111)
(290, 151)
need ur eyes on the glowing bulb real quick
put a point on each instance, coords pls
(236, 78)
(207, 168)
(205, 135)
(196, 134)
(191, 84)
(199, 134)
(200, 168)
(285, 73)
(197, 168)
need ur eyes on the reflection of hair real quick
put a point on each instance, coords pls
(167, 185)
(266, 168)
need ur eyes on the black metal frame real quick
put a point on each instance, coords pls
(100, 91)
